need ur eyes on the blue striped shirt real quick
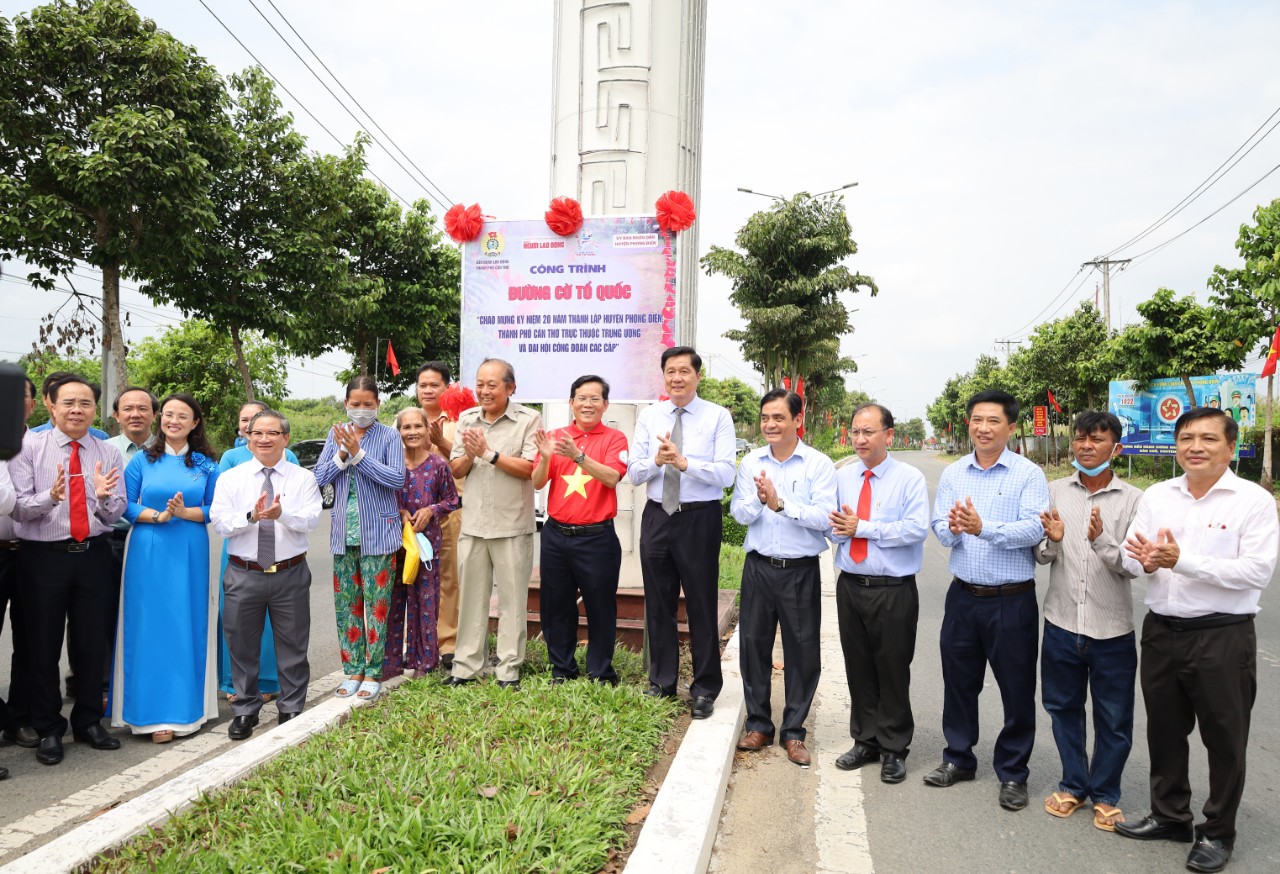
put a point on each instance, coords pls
(806, 484)
(380, 475)
(899, 521)
(1009, 496)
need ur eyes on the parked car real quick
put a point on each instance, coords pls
(742, 446)
(308, 452)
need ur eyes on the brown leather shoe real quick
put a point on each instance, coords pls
(797, 752)
(755, 741)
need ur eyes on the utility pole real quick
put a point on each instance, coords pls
(1104, 264)
(1007, 344)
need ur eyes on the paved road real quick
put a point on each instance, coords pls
(790, 821)
(40, 799)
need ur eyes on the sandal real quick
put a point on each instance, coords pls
(161, 737)
(1062, 804)
(1105, 817)
(369, 690)
(347, 689)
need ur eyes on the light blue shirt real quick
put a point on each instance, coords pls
(128, 449)
(806, 484)
(899, 521)
(1009, 496)
(707, 444)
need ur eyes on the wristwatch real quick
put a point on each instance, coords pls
(782, 505)
(580, 457)
(494, 460)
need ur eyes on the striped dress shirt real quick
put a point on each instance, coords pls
(33, 471)
(1009, 496)
(379, 476)
(806, 484)
(1089, 589)
(899, 523)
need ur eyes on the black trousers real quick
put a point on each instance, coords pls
(1211, 677)
(1001, 631)
(682, 551)
(16, 712)
(586, 564)
(65, 591)
(878, 637)
(789, 597)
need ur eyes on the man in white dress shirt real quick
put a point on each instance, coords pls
(684, 454)
(265, 509)
(1207, 541)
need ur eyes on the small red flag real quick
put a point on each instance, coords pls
(391, 360)
(1054, 401)
(1270, 366)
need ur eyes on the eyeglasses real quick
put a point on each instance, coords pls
(271, 434)
(865, 432)
(75, 404)
(594, 399)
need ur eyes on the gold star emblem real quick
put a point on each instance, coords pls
(576, 482)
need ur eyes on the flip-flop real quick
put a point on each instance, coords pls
(1067, 804)
(1105, 817)
(369, 690)
(347, 689)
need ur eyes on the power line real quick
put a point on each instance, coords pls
(443, 204)
(302, 105)
(1034, 319)
(1200, 189)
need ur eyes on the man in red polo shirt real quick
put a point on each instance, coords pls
(584, 462)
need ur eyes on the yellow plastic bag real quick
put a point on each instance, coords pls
(411, 557)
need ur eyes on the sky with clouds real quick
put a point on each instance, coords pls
(997, 145)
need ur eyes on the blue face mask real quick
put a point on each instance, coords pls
(425, 551)
(1091, 471)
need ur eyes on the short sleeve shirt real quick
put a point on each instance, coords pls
(574, 497)
(496, 503)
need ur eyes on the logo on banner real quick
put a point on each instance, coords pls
(587, 244)
(493, 243)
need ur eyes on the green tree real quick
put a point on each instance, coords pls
(272, 253)
(1246, 300)
(196, 357)
(912, 429)
(402, 285)
(741, 400)
(787, 282)
(110, 133)
(1177, 337)
(1059, 358)
(946, 413)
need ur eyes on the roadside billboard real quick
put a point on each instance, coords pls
(601, 301)
(1147, 417)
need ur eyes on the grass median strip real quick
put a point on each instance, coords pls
(474, 779)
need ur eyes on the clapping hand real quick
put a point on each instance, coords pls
(844, 521)
(176, 505)
(566, 447)
(264, 510)
(765, 489)
(58, 490)
(475, 443)
(964, 518)
(542, 440)
(1054, 527)
(1095, 523)
(1153, 554)
(347, 438)
(105, 484)
(435, 433)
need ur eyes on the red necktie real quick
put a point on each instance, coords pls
(858, 545)
(75, 490)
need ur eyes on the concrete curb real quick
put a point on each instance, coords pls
(680, 831)
(82, 845)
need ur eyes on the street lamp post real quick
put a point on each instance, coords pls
(810, 196)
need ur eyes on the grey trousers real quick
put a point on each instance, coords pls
(249, 597)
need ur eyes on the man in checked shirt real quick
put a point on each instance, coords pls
(1089, 647)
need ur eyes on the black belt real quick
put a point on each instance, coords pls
(690, 505)
(67, 545)
(994, 591)
(1200, 623)
(877, 582)
(806, 561)
(579, 530)
(270, 569)
(9, 544)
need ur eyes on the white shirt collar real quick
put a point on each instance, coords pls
(169, 450)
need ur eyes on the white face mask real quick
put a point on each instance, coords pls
(425, 551)
(362, 418)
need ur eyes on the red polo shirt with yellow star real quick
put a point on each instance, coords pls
(575, 497)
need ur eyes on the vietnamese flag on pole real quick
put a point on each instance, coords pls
(391, 360)
(1270, 366)
(1054, 401)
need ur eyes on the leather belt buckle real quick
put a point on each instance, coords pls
(777, 562)
(82, 546)
(272, 569)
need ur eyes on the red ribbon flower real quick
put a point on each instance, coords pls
(463, 223)
(565, 216)
(456, 398)
(675, 211)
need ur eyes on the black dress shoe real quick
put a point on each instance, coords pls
(459, 681)
(514, 685)
(285, 717)
(1151, 829)
(50, 750)
(656, 691)
(241, 727)
(861, 754)
(560, 681)
(1208, 854)
(947, 774)
(1013, 796)
(4, 772)
(702, 707)
(892, 770)
(446, 660)
(96, 736)
(23, 736)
